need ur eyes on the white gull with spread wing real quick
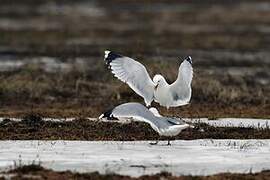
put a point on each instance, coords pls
(136, 76)
(164, 126)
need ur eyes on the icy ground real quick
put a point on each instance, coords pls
(234, 122)
(195, 157)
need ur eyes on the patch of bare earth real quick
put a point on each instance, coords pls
(38, 172)
(32, 127)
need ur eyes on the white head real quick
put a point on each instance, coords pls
(158, 79)
(154, 111)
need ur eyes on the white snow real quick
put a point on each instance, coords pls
(234, 122)
(195, 157)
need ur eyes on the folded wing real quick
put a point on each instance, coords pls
(133, 73)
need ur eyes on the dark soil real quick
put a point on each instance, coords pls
(37, 172)
(32, 128)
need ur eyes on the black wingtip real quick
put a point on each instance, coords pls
(108, 115)
(172, 123)
(189, 59)
(110, 56)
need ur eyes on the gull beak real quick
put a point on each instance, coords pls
(156, 87)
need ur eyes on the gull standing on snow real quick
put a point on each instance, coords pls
(136, 76)
(164, 126)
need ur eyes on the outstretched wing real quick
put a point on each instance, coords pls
(140, 113)
(133, 73)
(181, 88)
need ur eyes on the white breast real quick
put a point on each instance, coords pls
(163, 96)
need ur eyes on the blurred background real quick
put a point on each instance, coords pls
(51, 54)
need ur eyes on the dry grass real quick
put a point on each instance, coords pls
(82, 92)
(230, 52)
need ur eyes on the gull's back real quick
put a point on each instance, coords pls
(141, 113)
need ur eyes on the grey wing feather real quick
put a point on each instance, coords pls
(175, 121)
(141, 113)
(133, 73)
(181, 88)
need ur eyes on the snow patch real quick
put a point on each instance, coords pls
(234, 122)
(136, 158)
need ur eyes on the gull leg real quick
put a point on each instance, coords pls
(167, 110)
(154, 143)
(169, 143)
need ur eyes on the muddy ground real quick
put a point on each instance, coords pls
(51, 54)
(38, 172)
(34, 128)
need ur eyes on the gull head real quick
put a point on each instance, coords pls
(154, 111)
(188, 59)
(158, 79)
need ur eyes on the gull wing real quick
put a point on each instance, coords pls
(140, 113)
(133, 73)
(175, 121)
(181, 88)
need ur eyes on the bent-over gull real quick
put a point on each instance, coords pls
(136, 76)
(164, 126)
